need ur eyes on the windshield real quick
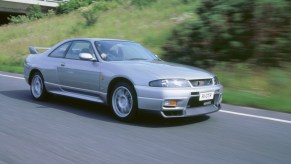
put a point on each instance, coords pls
(112, 50)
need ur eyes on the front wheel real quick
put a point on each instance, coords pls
(124, 102)
(37, 87)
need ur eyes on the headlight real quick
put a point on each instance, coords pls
(216, 81)
(172, 83)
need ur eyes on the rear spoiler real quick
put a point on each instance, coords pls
(33, 50)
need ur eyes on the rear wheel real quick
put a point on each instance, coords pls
(124, 102)
(37, 88)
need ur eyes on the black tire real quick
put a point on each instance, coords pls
(123, 102)
(37, 87)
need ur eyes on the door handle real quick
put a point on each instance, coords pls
(63, 64)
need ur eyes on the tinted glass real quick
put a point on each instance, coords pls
(79, 47)
(60, 51)
(111, 50)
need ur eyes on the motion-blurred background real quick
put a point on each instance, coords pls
(247, 43)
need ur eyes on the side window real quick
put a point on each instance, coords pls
(79, 47)
(60, 51)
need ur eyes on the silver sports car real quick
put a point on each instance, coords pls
(124, 75)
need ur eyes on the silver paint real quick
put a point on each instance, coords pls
(90, 79)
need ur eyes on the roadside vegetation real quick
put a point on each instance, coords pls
(247, 43)
(148, 26)
(255, 86)
(249, 54)
(257, 32)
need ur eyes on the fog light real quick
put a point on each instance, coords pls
(170, 103)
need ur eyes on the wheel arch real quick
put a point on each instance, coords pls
(32, 72)
(115, 81)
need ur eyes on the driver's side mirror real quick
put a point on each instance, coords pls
(86, 56)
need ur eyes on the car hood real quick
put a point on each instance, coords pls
(162, 70)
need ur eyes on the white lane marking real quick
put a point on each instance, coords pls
(256, 116)
(15, 77)
(224, 111)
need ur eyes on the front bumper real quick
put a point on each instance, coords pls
(188, 104)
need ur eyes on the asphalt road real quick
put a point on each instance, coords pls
(65, 130)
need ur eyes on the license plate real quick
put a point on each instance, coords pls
(206, 96)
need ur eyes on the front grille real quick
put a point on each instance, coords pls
(201, 82)
(194, 101)
(195, 93)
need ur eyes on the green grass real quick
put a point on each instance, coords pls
(9, 68)
(248, 85)
(149, 26)
(272, 102)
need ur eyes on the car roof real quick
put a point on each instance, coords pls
(98, 39)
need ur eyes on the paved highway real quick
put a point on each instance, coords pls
(64, 130)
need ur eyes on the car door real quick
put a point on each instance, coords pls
(79, 76)
(51, 66)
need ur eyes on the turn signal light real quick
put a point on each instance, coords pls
(170, 103)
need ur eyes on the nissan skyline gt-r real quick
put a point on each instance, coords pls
(124, 75)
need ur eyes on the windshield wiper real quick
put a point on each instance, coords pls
(158, 59)
(137, 59)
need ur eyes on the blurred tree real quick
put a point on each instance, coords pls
(69, 6)
(273, 32)
(142, 3)
(226, 30)
(34, 12)
(92, 12)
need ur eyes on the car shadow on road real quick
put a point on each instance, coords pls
(101, 112)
